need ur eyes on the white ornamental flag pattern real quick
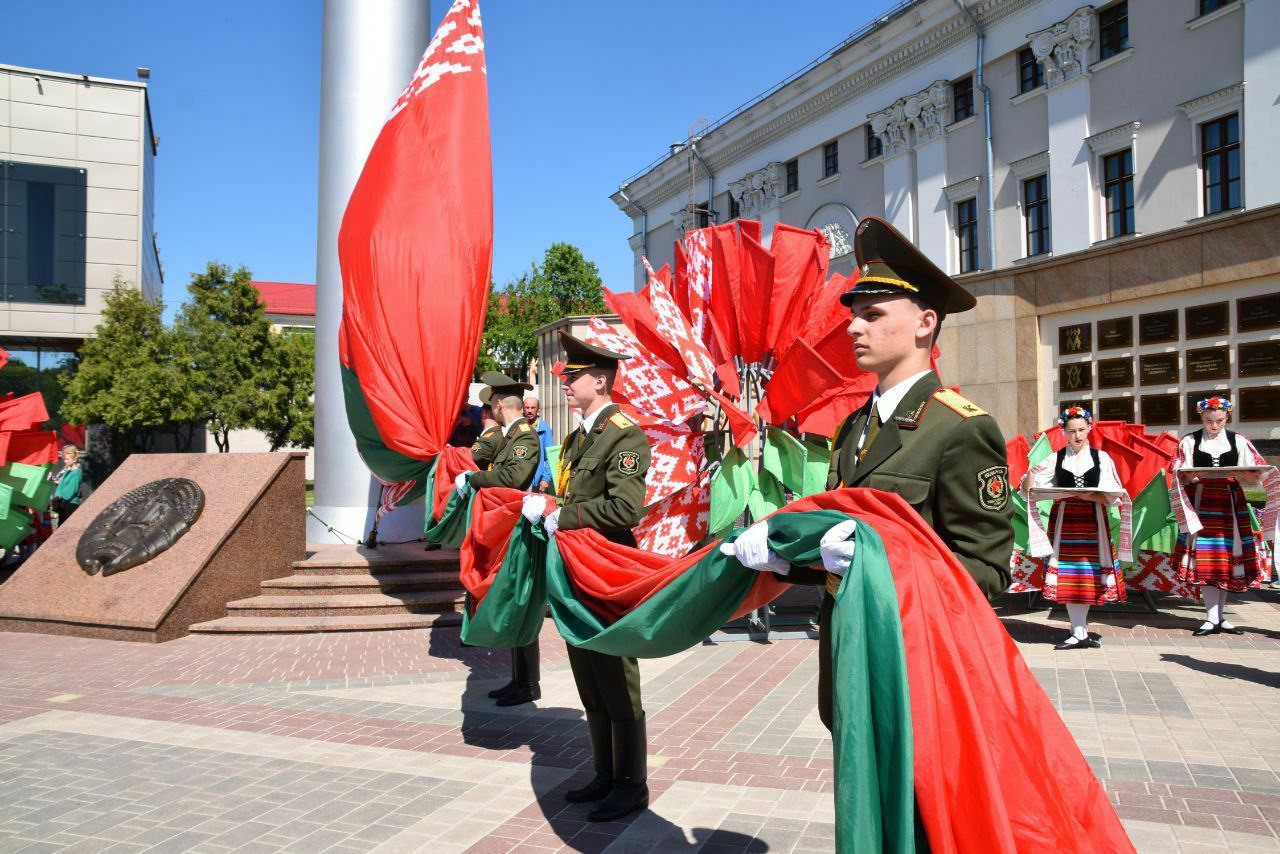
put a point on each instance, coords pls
(456, 48)
(675, 329)
(676, 458)
(697, 251)
(676, 525)
(648, 384)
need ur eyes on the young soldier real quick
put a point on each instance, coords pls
(599, 484)
(942, 454)
(508, 456)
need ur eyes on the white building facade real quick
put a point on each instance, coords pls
(1113, 209)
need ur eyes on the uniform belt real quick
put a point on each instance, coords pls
(833, 583)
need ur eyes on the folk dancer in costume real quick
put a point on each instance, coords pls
(1082, 568)
(941, 453)
(599, 484)
(1217, 552)
(508, 455)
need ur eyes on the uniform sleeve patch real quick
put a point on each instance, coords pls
(993, 487)
(958, 403)
(620, 420)
(521, 452)
(628, 462)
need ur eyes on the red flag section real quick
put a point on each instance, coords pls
(416, 247)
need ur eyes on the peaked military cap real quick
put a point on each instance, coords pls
(502, 385)
(888, 263)
(579, 355)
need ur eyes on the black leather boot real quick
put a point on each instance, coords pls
(521, 694)
(630, 772)
(600, 732)
(505, 689)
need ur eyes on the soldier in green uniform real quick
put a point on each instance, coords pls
(508, 456)
(599, 484)
(941, 453)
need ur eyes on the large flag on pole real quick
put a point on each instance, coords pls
(416, 248)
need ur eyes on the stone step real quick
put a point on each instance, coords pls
(356, 623)
(423, 602)
(349, 560)
(378, 581)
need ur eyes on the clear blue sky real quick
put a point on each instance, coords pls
(582, 94)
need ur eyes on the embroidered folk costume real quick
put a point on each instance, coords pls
(1083, 568)
(1217, 548)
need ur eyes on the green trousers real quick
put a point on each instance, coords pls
(607, 684)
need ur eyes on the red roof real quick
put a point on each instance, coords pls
(288, 298)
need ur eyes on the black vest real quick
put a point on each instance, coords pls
(1066, 480)
(1204, 460)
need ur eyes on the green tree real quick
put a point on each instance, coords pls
(289, 417)
(127, 376)
(563, 285)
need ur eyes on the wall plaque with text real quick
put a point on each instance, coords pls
(1160, 409)
(1158, 369)
(1115, 333)
(1258, 313)
(1115, 373)
(1115, 409)
(1075, 338)
(1258, 359)
(1208, 363)
(1194, 397)
(1078, 376)
(1260, 404)
(1160, 327)
(1203, 321)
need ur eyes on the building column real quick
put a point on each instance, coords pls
(931, 177)
(369, 51)
(1260, 124)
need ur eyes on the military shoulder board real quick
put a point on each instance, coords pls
(958, 403)
(621, 421)
(524, 427)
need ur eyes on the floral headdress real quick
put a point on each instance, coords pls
(1215, 402)
(1074, 412)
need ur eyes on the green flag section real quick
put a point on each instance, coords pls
(908, 614)
(1152, 515)
(391, 466)
(30, 485)
(731, 487)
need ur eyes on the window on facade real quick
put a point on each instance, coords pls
(793, 176)
(42, 233)
(967, 234)
(1207, 6)
(1035, 210)
(1220, 163)
(1030, 72)
(1117, 191)
(735, 209)
(830, 159)
(703, 216)
(962, 99)
(874, 145)
(1113, 30)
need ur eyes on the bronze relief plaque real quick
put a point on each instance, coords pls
(1160, 327)
(1115, 373)
(1258, 313)
(1258, 359)
(1115, 333)
(1160, 409)
(1075, 338)
(1158, 369)
(1203, 321)
(1208, 363)
(1259, 404)
(1115, 409)
(1078, 376)
(139, 525)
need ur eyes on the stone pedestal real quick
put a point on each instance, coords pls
(252, 529)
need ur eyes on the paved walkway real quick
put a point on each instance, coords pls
(386, 742)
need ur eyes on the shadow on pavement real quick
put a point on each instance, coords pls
(559, 758)
(1265, 678)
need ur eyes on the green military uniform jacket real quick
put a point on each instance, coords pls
(486, 446)
(601, 474)
(514, 463)
(946, 458)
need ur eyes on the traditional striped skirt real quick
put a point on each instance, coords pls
(1080, 552)
(1225, 541)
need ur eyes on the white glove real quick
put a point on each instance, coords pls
(752, 550)
(533, 507)
(552, 523)
(836, 547)
(460, 483)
